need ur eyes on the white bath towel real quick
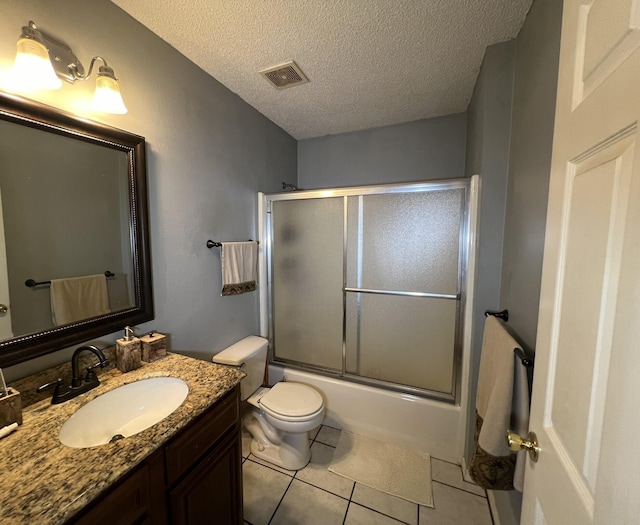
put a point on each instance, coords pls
(502, 403)
(239, 267)
(78, 298)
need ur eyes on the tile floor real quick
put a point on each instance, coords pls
(314, 495)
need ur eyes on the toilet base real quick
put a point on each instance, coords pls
(285, 450)
(279, 456)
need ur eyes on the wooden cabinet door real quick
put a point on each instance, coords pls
(125, 504)
(212, 492)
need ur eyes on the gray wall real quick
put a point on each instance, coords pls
(488, 155)
(534, 94)
(208, 154)
(421, 150)
(534, 99)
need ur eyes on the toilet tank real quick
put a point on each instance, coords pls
(250, 354)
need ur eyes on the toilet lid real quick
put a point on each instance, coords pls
(292, 399)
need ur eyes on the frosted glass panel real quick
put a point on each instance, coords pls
(398, 239)
(407, 241)
(404, 340)
(307, 255)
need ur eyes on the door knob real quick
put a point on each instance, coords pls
(517, 443)
(3, 309)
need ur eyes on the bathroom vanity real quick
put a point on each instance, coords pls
(184, 469)
(192, 479)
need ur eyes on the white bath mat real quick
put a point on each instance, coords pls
(384, 467)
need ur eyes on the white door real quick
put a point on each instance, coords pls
(586, 391)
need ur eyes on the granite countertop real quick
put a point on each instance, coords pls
(46, 482)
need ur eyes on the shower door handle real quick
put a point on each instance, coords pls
(517, 443)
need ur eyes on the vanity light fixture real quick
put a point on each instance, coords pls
(41, 59)
(32, 67)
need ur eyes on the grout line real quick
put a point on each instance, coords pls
(382, 513)
(493, 521)
(346, 512)
(445, 461)
(280, 502)
(325, 444)
(274, 469)
(458, 488)
(324, 490)
(353, 489)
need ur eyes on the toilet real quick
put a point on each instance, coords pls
(278, 418)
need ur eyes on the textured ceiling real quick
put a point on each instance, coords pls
(370, 62)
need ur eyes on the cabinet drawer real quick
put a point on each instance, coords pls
(184, 451)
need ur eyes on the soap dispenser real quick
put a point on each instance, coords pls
(128, 351)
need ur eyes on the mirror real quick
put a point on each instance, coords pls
(73, 204)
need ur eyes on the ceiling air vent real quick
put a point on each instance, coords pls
(285, 75)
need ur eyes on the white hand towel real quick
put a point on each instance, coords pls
(78, 298)
(239, 267)
(502, 403)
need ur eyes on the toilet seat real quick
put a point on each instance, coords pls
(292, 402)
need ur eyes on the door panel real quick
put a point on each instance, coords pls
(404, 340)
(586, 379)
(607, 35)
(307, 281)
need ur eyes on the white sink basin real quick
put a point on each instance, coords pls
(123, 412)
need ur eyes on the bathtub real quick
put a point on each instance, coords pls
(420, 424)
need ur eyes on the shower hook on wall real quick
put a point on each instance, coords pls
(286, 185)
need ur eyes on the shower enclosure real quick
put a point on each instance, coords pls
(368, 284)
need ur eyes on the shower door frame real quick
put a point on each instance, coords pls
(460, 297)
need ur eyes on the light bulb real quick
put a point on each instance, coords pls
(107, 96)
(32, 68)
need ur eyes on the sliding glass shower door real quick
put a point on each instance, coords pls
(307, 269)
(367, 283)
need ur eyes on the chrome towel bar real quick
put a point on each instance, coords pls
(212, 244)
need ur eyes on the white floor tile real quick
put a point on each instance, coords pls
(263, 489)
(451, 474)
(307, 505)
(328, 436)
(397, 508)
(313, 433)
(317, 496)
(317, 473)
(357, 515)
(455, 506)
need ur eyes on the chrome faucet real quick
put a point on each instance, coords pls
(62, 392)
